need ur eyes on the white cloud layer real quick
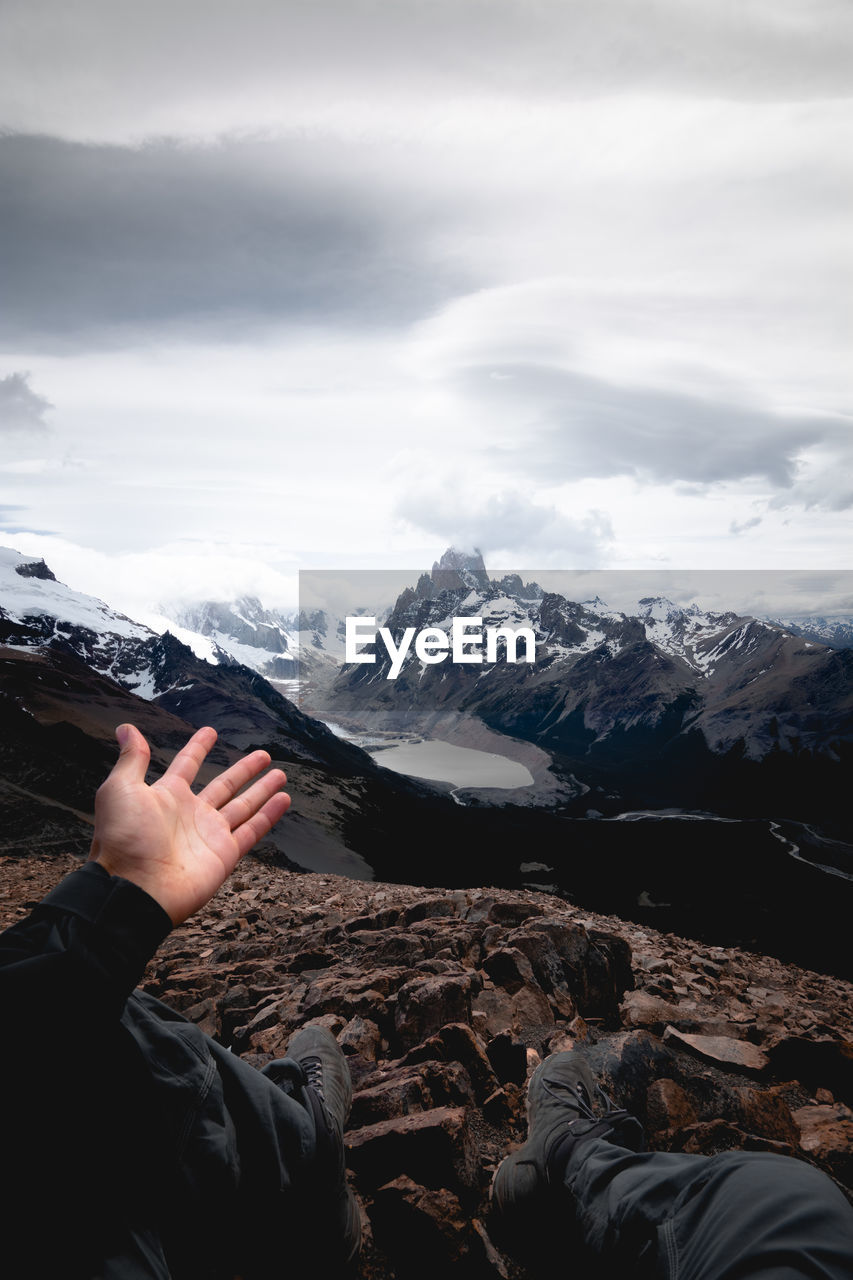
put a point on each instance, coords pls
(337, 283)
(203, 67)
(507, 524)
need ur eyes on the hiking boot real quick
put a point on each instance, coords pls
(316, 1073)
(326, 1071)
(564, 1106)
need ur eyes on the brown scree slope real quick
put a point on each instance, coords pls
(445, 1001)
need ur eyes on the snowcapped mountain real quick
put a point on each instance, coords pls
(71, 669)
(241, 631)
(39, 613)
(607, 685)
(565, 631)
(689, 634)
(30, 593)
(457, 569)
(320, 636)
(35, 609)
(835, 630)
(308, 646)
(665, 693)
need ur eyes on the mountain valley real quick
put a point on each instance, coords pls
(628, 812)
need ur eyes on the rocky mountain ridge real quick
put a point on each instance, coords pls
(71, 669)
(835, 630)
(671, 707)
(36, 609)
(307, 646)
(38, 613)
(599, 672)
(243, 631)
(444, 1001)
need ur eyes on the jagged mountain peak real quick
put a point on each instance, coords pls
(240, 630)
(458, 569)
(511, 585)
(245, 618)
(35, 569)
(456, 558)
(33, 598)
(662, 609)
(659, 608)
(833, 630)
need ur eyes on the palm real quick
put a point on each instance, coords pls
(176, 845)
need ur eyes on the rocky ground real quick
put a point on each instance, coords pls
(445, 1001)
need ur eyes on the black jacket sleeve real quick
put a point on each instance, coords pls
(75, 1113)
(77, 957)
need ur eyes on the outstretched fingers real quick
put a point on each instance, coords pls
(244, 807)
(224, 787)
(248, 835)
(190, 758)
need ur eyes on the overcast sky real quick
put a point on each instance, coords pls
(336, 283)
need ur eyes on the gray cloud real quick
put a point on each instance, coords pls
(21, 408)
(828, 487)
(163, 53)
(761, 593)
(570, 426)
(8, 517)
(737, 527)
(101, 237)
(506, 522)
(359, 165)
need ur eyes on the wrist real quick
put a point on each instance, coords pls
(149, 885)
(125, 923)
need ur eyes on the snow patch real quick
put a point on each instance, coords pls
(22, 598)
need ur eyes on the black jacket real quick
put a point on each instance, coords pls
(120, 1119)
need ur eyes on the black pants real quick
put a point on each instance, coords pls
(239, 1192)
(150, 1151)
(725, 1217)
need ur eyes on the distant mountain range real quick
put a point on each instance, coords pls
(836, 631)
(282, 647)
(72, 668)
(715, 714)
(671, 705)
(239, 631)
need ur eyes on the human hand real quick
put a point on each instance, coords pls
(177, 846)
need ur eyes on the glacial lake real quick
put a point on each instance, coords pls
(462, 766)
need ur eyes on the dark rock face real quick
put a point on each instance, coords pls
(459, 570)
(444, 1002)
(36, 569)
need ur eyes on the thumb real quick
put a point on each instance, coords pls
(132, 764)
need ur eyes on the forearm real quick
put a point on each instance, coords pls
(76, 1104)
(81, 951)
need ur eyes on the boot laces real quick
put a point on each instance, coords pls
(313, 1071)
(580, 1098)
